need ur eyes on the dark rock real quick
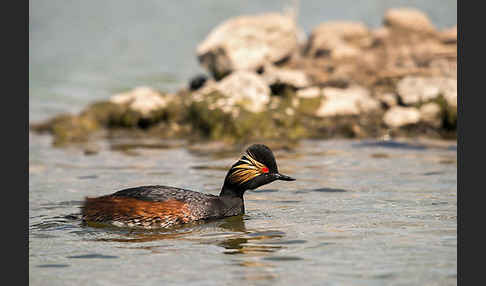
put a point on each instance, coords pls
(197, 82)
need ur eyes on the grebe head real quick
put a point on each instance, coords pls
(255, 168)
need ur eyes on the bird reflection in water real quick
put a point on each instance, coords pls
(235, 239)
(246, 245)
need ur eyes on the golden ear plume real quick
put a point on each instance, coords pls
(247, 170)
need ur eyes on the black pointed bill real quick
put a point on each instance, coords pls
(282, 177)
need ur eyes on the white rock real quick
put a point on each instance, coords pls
(295, 78)
(344, 51)
(349, 101)
(310, 92)
(449, 36)
(243, 88)
(431, 113)
(444, 67)
(412, 89)
(142, 99)
(289, 111)
(408, 19)
(346, 30)
(449, 91)
(341, 39)
(399, 116)
(381, 33)
(248, 42)
(389, 99)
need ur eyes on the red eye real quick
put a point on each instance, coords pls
(264, 170)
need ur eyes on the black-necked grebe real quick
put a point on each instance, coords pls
(162, 206)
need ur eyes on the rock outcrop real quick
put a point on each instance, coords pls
(285, 76)
(408, 19)
(431, 113)
(415, 90)
(398, 116)
(242, 88)
(338, 40)
(142, 99)
(350, 101)
(248, 43)
(347, 80)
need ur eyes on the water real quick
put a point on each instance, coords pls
(360, 212)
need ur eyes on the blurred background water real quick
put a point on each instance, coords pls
(360, 213)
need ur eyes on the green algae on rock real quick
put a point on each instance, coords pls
(67, 128)
(213, 121)
(111, 114)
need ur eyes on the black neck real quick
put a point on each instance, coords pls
(232, 198)
(231, 191)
